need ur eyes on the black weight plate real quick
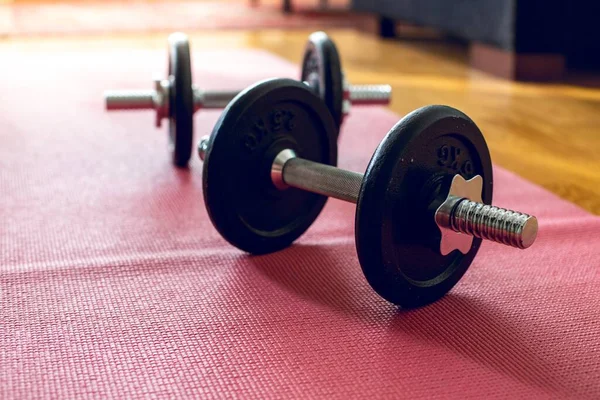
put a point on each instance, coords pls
(241, 200)
(396, 237)
(322, 69)
(181, 100)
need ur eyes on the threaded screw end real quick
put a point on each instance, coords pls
(129, 99)
(499, 225)
(370, 94)
(203, 146)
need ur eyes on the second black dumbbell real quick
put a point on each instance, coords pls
(177, 99)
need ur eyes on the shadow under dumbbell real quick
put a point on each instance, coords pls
(183, 175)
(467, 326)
(487, 335)
(324, 274)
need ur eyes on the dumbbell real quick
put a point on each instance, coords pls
(423, 204)
(176, 98)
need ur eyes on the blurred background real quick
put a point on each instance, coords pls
(525, 70)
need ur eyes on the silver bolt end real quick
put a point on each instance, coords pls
(370, 94)
(463, 216)
(499, 225)
(202, 147)
(129, 99)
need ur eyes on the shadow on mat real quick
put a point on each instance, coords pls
(491, 336)
(469, 326)
(327, 275)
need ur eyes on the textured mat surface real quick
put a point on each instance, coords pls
(113, 281)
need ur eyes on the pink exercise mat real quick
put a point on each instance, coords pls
(113, 282)
(102, 16)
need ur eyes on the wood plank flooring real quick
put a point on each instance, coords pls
(547, 133)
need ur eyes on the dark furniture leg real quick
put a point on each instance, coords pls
(387, 27)
(287, 6)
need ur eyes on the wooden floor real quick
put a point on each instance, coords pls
(547, 133)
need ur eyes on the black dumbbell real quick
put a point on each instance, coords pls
(422, 204)
(176, 98)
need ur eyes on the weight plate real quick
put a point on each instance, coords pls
(181, 100)
(396, 236)
(242, 202)
(322, 70)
